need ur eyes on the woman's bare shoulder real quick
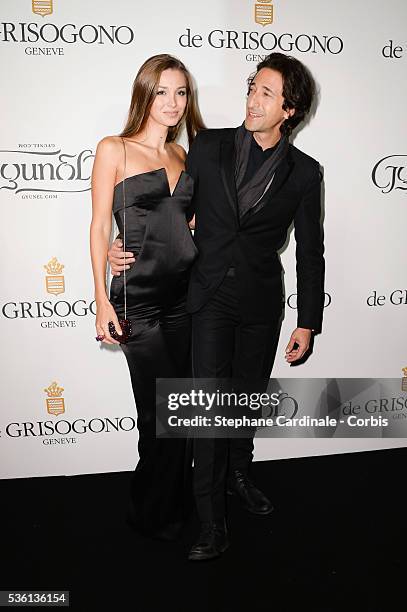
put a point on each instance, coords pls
(110, 145)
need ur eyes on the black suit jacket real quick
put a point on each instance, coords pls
(251, 244)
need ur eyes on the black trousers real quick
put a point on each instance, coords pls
(161, 486)
(227, 344)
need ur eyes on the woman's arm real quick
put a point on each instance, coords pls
(103, 182)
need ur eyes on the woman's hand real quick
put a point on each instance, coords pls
(104, 314)
(117, 256)
(192, 223)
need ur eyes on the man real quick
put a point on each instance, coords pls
(250, 185)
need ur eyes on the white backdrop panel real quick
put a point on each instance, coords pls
(58, 105)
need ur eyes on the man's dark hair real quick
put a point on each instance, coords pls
(298, 87)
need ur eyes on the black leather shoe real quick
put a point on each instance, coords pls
(212, 542)
(252, 498)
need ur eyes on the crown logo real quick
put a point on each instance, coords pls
(54, 281)
(404, 379)
(55, 403)
(53, 267)
(53, 390)
(42, 7)
(263, 12)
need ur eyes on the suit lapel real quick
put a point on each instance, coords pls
(280, 177)
(227, 169)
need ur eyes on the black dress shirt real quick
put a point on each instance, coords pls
(256, 158)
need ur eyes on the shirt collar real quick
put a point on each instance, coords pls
(259, 151)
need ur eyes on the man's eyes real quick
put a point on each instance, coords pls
(252, 89)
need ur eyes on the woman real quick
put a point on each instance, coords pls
(140, 175)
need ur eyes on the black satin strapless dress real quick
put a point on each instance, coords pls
(158, 234)
(159, 347)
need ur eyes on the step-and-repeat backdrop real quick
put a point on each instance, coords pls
(66, 73)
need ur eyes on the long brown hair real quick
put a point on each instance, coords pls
(144, 90)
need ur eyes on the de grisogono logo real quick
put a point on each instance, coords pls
(34, 172)
(394, 407)
(262, 41)
(54, 39)
(390, 173)
(264, 12)
(54, 280)
(394, 50)
(54, 313)
(291, 300)
(42, 7)
(55, 402)
(396, 297)
(65, 431)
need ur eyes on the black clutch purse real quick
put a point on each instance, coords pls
(125, 325)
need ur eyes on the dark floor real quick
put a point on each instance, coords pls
(336, 541)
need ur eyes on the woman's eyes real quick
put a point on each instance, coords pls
(162, 92)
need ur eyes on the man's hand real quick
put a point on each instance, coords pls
(116, 257)
(301, 337)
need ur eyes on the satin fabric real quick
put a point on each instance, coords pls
(158, 234)
(159, 345)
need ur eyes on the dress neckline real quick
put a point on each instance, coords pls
(152, 172)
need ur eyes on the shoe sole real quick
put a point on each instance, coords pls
(257, 513)
(197, 557)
